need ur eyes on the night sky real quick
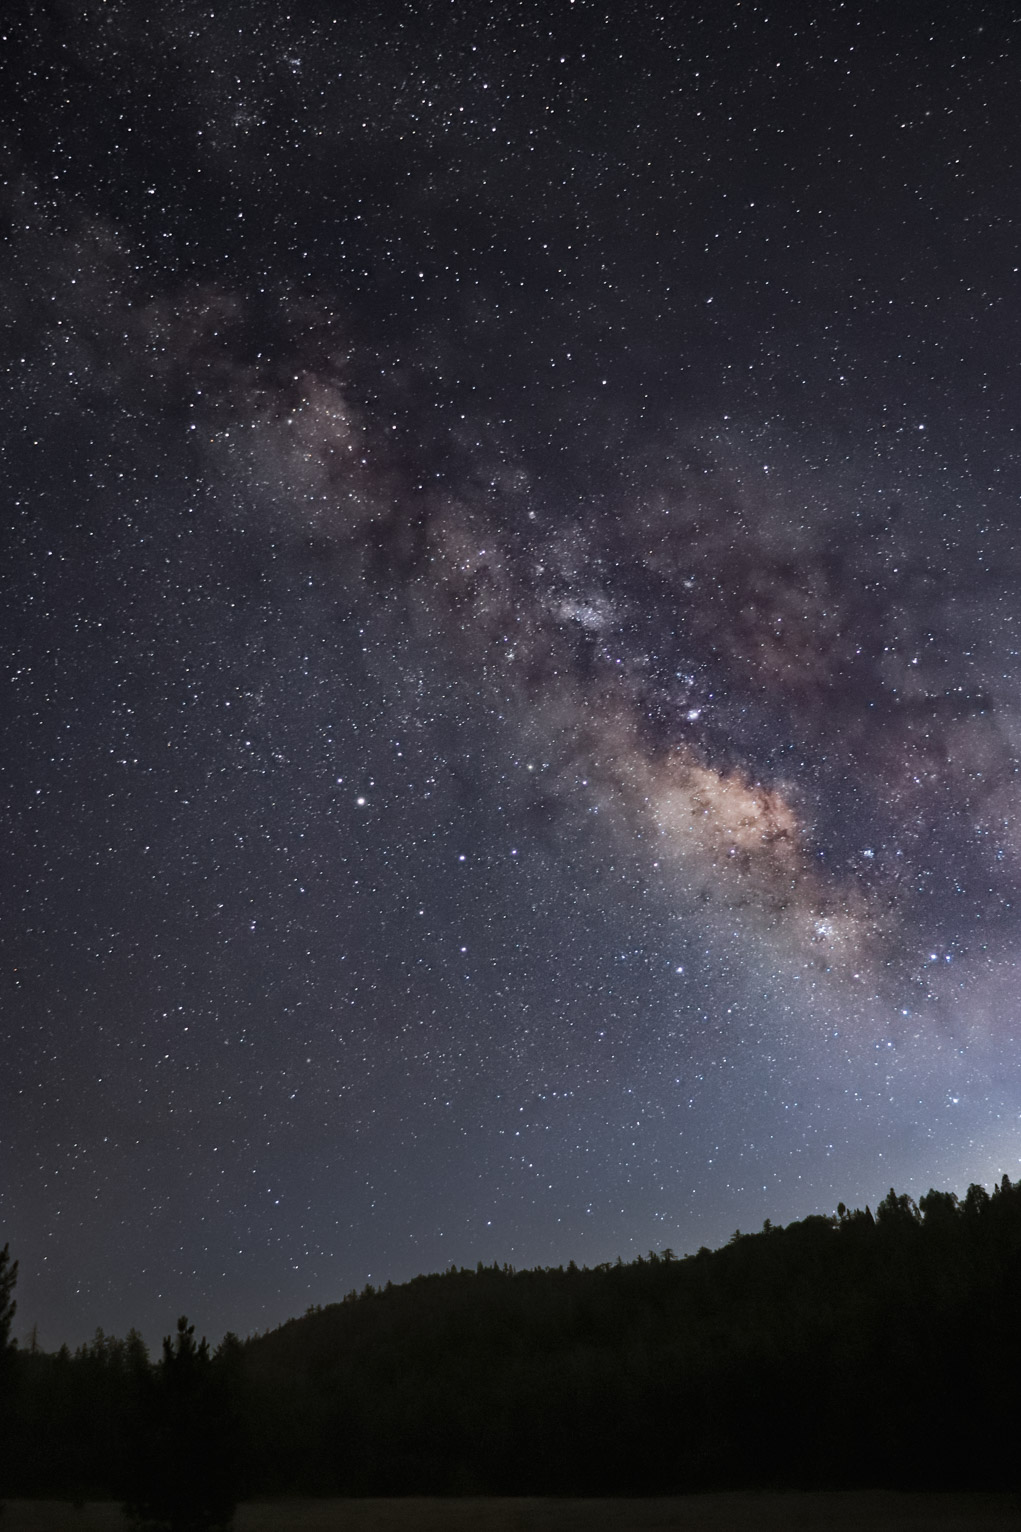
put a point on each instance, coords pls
(511, 635)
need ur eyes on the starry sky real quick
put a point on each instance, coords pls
(511, 712)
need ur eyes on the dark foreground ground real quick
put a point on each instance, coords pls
(862, 1512)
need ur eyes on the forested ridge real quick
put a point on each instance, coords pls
(848, 1351)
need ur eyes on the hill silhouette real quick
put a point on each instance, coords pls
(854, 1351)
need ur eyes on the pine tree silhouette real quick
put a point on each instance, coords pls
(182, 1470)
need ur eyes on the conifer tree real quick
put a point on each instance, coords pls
(183, 1475)
(8, 1277)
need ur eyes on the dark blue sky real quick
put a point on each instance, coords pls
(511, 584)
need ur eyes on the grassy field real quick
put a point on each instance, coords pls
(852, 1512)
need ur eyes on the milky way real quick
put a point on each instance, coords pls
(512, 727)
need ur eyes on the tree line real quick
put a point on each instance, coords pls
(859, 1350)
